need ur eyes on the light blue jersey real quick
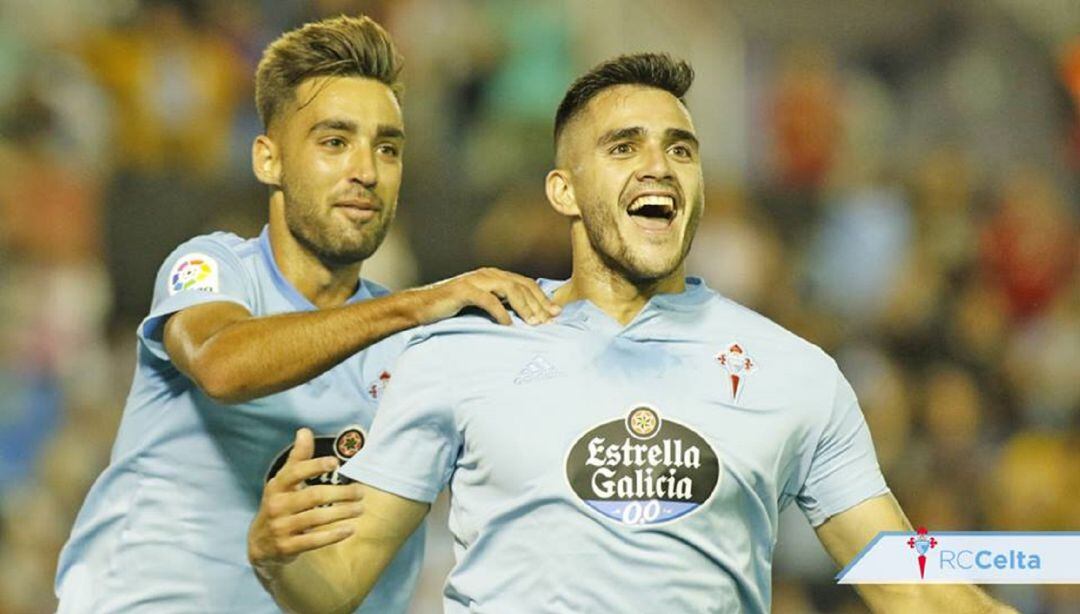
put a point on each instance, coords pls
(164, 528)
(600, 468)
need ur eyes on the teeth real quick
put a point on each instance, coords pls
(652, 199)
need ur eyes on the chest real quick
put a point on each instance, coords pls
(628, 419)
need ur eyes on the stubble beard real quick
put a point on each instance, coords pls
(319, 235)
(603, 231)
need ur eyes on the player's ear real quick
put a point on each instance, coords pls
(560, 193)
(266, 161)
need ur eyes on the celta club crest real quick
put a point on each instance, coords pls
(922, 543)
(739, 366)
(378, 386)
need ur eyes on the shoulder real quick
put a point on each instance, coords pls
(468, 344)
(212, 250)
(787, 369)
(767, 335)
(464, 330)
(207, 261)
(442, 355)
(220, 244)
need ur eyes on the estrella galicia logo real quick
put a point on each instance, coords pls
(642, 469)
(344, 446)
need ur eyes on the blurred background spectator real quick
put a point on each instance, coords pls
(897, 182)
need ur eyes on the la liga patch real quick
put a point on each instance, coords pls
(194, 272)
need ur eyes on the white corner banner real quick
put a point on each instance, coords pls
(967, 557)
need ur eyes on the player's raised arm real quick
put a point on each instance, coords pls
(321, 549)
(235, 357)
(846, 533)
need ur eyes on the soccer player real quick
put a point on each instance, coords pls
(246, 340)
(633, 454)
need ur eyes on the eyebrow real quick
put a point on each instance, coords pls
(637, 132)
(621, 134)
(678, 134)
(343, 125)
(389, 132)
(347, 125)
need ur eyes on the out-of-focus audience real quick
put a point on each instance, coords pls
(896, 199)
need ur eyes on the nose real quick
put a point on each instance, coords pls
(655, 165)
(362, 167)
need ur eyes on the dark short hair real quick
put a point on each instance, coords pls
(342, 46)
(657, 70)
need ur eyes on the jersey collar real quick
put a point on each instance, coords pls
(298, 300)
(695, 294)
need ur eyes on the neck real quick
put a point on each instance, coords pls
(322, 284)
(610, 290)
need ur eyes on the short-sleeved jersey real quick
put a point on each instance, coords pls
(595, 467)
(164, 527)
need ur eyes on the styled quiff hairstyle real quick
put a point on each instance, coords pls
(657, 70)
(342, 46)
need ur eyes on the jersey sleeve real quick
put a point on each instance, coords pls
(202, 270)
(843, 468)
(414, 441)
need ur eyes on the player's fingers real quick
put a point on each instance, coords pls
(526, 306)
(510, 288)
(293, 474)
(303, 446)
(490, 304)
(492, 282)
(291, 546)
(313, 497)
(497, 281)
(319, 518)
(501, 282)
(542, 299)
(503, 276)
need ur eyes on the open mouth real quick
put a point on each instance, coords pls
(653, 211)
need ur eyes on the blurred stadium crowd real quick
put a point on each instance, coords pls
(897, 183)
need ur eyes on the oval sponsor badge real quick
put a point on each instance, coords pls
(642, 469)
(344, 446)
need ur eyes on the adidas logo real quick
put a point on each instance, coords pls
(535, 370)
